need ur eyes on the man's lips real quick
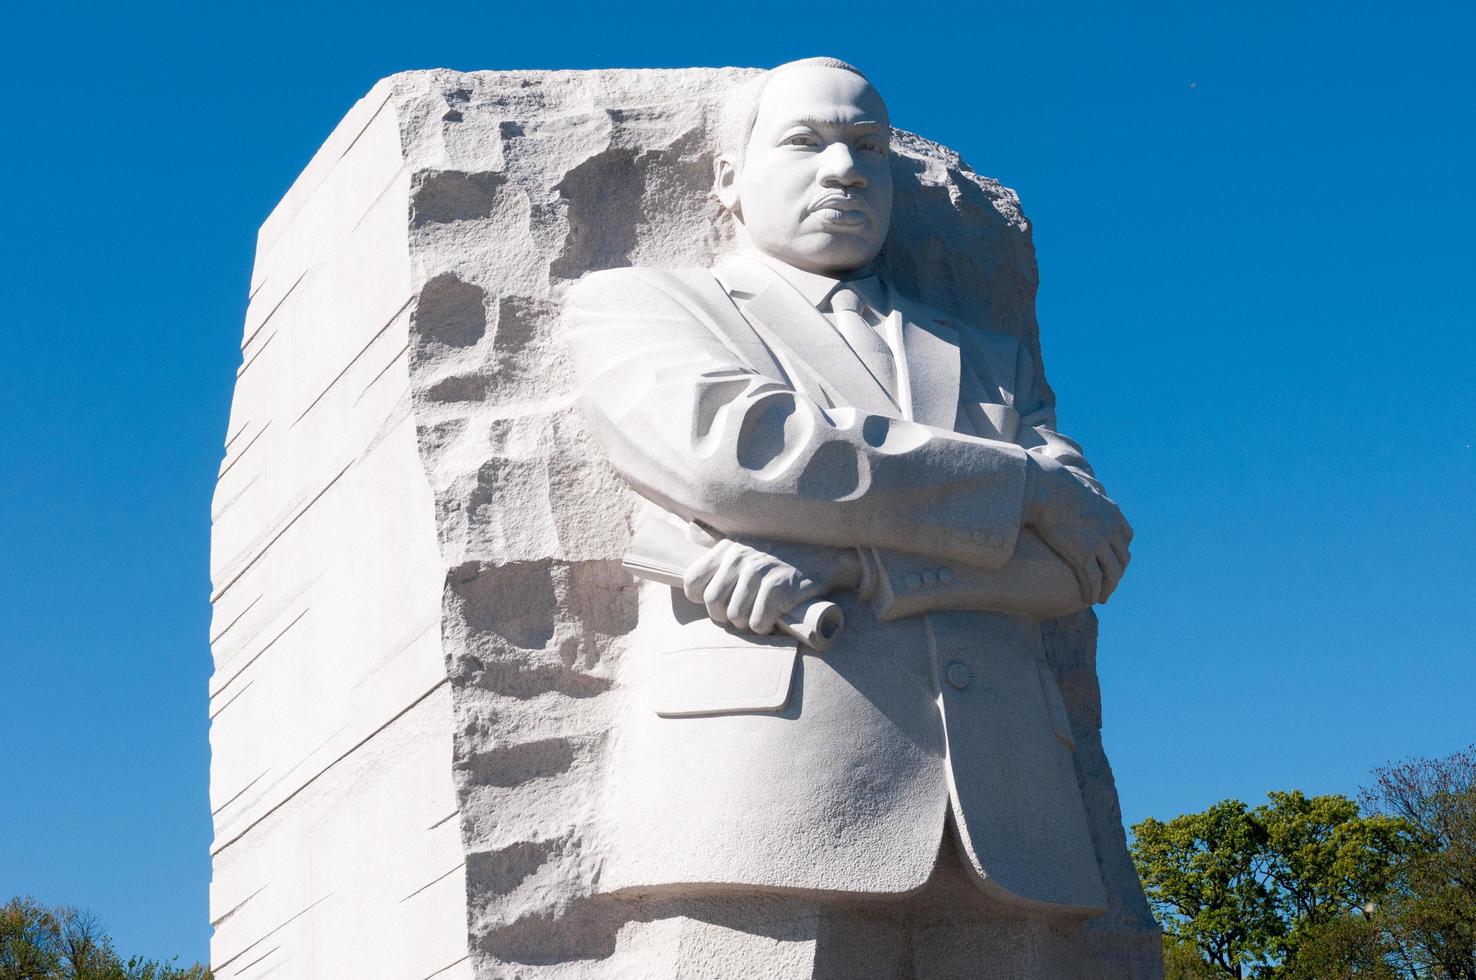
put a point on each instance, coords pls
(840, 210)
(840, 202)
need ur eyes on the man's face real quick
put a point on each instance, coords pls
(814, 188)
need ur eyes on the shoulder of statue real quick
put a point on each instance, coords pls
(984, 338)
(659, 277)
(640, 279)
(919, 312)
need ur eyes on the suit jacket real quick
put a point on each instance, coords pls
(724, 396)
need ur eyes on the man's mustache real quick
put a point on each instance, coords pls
(841, 200)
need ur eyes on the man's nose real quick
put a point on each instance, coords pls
(838, 167)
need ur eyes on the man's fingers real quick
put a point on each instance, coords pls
(1083, 579)
(745, 590)
(700, 572)
(1120, 550)
(721, 585)
(1111, 572)
(1064, 548)
(767, 605)
(779, 594)
(1094, 580)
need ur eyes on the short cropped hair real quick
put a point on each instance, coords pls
(740, 108)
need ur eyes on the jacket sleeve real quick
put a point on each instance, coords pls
(1035, 582)
(1038, 433)
(694, 428)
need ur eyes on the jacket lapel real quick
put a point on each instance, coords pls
(768, 301)
(931, 347)
(707, 300)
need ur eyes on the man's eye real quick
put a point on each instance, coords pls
(874, 146)
(801, 139)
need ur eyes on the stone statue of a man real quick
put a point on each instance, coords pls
(838, 439)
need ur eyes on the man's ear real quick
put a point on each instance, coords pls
(725, 183)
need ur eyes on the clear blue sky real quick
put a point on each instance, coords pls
(1254, 223)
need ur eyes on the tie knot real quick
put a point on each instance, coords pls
(846, 299)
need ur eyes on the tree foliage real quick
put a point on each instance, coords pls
(1322, 888)
(40, 942)
(1429, 912)
(1203, 872)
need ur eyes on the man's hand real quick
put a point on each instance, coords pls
(1083, 527)
(750, 585)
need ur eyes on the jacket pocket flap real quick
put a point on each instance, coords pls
(723, 680)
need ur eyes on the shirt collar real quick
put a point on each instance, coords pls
(817, 289)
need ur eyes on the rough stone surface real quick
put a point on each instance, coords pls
(409, 286)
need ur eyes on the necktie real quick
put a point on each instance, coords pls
(846, 306)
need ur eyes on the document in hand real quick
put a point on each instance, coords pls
(661, 552)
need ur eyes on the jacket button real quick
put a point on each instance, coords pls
(914, 580)
(929, 578)
(996, 541)
(958, 675)
(945, 575)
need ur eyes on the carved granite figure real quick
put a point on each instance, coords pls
(453, 737)
(840, 439)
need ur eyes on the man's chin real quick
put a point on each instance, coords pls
(834, 252)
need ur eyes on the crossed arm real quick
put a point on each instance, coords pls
(815, 498)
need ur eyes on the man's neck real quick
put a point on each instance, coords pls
(813, 286)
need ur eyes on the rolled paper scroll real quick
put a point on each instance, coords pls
(660, 552)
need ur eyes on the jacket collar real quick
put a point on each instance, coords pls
(818, 289)
(786, 301)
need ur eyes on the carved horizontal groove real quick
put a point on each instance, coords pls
(378, 197)
(232, 701)
(361, 132)
(215, 849)
(264, 258)
(355, 359)
(232, 438)
(243, 789)
(217, 967)
(263, 956)
(273, 312)
(432, 976)
(399, 411)
(440, 877)
(244, 450)
(528, 409)
(503, 871)
(523, 762)
(285, 527)
(392, 362)
(259, 351)
(217, 511)
(238, 618)
(243, 640)
(255, 656)
(238, 907)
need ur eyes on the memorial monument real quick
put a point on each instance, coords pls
(644, 548)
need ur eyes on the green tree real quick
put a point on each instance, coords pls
(28, 950)
(38, 942)
(1327, 864)
(1204, 875)
(1321, 888)
(1287, 890)
(1349, 947)
(1429, 912)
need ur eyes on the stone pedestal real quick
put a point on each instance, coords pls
(420, 616)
